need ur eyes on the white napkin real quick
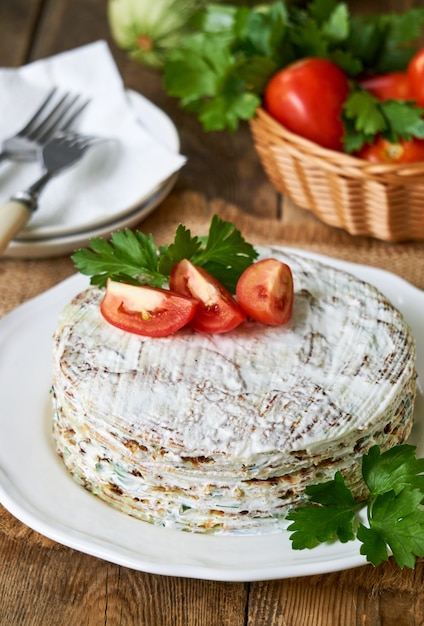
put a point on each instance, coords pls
(114, 177)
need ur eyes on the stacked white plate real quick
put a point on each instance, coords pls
(54, 239)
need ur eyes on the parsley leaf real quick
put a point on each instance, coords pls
(128, 257)
(385, 42)
(226, 254)
(365, 116)
(394, 470)
(313, 525)
(132, 257)
(403, 120)
(220, 71)
(184, 246)
(394, 507)
(396, 521)
(363, 119)
(319, 29)
(397, 32)
(333, 492)
(212, 83)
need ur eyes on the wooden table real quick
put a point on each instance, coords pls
(45, 584)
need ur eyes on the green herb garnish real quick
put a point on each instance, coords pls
(394, 480)
(365, 117)
(132, 257)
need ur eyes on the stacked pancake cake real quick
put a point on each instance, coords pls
(222, 433)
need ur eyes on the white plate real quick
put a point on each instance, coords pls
(35, 487)
(45, 242)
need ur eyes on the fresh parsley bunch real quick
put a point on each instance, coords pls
(132, 257)
(219, 72)
(394, 507)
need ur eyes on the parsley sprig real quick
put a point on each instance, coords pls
(365, 117)
(132, 257)
(394, 507)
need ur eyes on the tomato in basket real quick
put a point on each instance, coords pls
(416, 76)
(389, 86)
(307, 97)
(382, 151)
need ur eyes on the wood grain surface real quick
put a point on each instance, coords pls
(43, 583)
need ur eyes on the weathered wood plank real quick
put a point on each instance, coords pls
(55, 586)
(364, 597)
(18, 20)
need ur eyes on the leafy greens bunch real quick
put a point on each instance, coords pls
(219, 71)
(132, 257)
(394, 481)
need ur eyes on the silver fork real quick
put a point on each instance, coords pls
(48, 118)
(59, 153)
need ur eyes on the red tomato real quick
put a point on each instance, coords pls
(307, 97)
(146, 310)
(416, 76)
(390, 86)
(217, 311)
(265, 292)
(382, 151)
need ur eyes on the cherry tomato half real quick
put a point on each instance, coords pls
(265, 292)
(307, 97)
(217, 310)
(415, 73)
(382, 151)
(147, 311)
(390, 86)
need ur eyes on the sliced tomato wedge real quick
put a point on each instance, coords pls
(265, 292)
(147, 311)
(218, 311)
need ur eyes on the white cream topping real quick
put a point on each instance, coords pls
(337, 366)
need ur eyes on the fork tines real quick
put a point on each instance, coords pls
(55, 112)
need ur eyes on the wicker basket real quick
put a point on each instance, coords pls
(380, 200)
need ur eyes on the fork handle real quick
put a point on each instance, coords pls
(13, 216)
